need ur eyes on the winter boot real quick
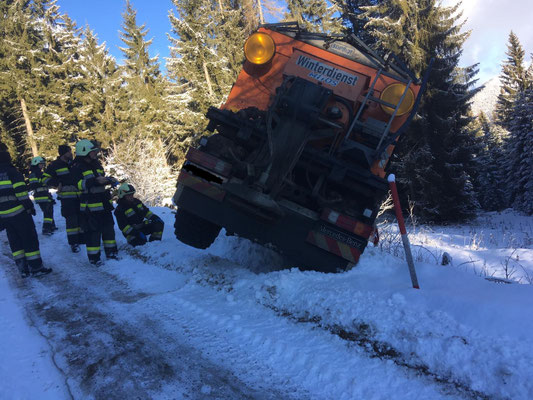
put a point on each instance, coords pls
(75, 248)
(48, 231)
(42, 270)
(23, 268)
(97, 263)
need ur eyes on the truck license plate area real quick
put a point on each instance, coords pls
(336, 242)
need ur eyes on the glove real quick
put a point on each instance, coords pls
(155, 218)
(31, 211)
(138, 227)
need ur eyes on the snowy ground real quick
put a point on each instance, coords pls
(170, 322)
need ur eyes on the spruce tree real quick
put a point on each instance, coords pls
(102, 113)
(520, 153)
(354, 18)
(146, 107)
(138, 65)
(143, 80)
(315, 15)
(201, 64)
(62, 91)
(435, 160)
(514, 80)
(21, 52)
(491, 191)
(38, 76)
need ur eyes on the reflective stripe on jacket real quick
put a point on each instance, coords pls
(58, 172)
(129, 214)
(14, 197)
(40, 190)
(93, 196)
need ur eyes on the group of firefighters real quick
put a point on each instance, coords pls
(86, 204)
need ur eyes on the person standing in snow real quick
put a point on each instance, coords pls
(16, 210)
(41, 195)
(96, 219)
(58, 175)
(135, 220)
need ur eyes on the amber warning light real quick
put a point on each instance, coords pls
(393, 94)
(259, 48)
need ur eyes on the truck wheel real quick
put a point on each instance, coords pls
(194, 231)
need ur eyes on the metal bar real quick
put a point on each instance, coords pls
(413, 111)
(356, 118)
(378, 100)
(393, 115)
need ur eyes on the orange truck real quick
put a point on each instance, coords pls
(298, 156)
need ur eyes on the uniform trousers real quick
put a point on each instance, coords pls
(23, 239)
(48, 216)
(70, 210)
(153, 229)
(98, 227)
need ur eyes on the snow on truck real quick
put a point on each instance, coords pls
(298, 158)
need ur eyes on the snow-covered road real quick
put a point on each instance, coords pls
(168, 321)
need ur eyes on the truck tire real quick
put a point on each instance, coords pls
(194, 231)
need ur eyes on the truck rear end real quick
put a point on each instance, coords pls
(298, 155)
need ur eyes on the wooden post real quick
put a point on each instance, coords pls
(401, 224)
(207, 79)
(29, 129)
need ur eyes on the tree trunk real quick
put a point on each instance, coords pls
(29, 130)
(208, 79)
(260, 7)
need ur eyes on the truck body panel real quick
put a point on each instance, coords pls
(299, 152)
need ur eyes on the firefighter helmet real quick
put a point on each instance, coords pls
(125, 189)
(84, 147)
(37, 160)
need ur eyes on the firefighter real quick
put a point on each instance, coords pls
(135, 220)
(16, 210)
(58, 175)
(41, 195)
(96, 219)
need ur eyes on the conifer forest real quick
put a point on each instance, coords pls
(59, 84)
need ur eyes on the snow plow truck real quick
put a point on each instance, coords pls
(297, 158)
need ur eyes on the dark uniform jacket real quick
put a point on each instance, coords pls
(14, 197)
(40, 190)
(58, 172)
(94, 197)
(131, 214)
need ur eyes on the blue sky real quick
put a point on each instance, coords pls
(489, 20)
(104, 17)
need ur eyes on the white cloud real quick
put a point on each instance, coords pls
(491, 21)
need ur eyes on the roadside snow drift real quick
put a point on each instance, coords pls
(233, 322)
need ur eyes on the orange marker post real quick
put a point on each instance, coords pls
(401, 224)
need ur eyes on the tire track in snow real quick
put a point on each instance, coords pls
(109, 345)
(325, 366)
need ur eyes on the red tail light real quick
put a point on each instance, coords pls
(347, 223)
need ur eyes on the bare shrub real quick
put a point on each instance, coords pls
(510, 265)
(142, 162)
